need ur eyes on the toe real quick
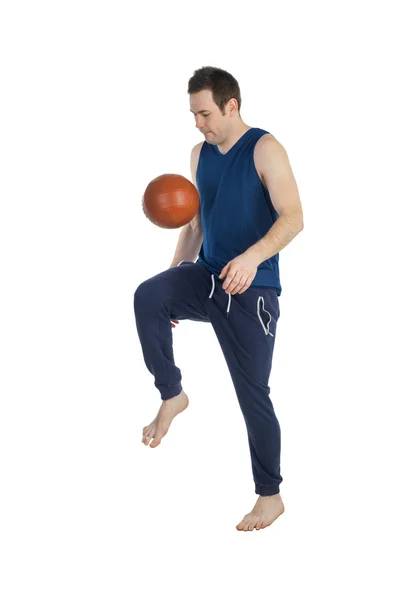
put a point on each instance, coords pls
(160, 432)
(257, 520)
(252, 521)
(155, 442)
(149, 433)
(245, 524)
(147, 438)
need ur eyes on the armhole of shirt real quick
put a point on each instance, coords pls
(198, 161)
(254, 162)
(265, 190)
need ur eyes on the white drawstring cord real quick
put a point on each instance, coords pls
(212, 291)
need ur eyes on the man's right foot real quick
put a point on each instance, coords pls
(159, 427)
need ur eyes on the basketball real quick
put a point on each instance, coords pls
(170, 201)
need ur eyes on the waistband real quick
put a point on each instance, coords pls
(260, 305)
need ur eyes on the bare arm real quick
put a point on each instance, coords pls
(273, 164)
(188, 246)
(191, 235)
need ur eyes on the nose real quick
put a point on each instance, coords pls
(199, 123)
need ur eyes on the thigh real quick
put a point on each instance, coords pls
(247, 333)
(181, 290)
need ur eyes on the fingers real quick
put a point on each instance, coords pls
(240, 283)
(231, 283)
(246, 286)
(237, 285)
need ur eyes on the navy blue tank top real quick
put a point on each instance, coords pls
(236, 209)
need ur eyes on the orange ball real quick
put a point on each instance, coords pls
(170, 201)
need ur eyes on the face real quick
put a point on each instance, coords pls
(208, 118)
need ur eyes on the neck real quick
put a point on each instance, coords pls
(233, 137)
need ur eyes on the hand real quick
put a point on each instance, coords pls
(239, 274)
(174, 321)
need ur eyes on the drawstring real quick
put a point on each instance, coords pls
(212, 291)
(259, 301)
(266, 329)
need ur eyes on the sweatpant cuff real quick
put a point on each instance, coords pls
(168, 392)
(267, 490)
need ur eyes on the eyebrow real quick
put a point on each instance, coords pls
(200, 111)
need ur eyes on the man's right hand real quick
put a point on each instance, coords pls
(174, 321)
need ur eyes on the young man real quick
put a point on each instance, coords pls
(249, 210)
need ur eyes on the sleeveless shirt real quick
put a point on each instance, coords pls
(236, 208)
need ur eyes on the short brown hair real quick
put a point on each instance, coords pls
(221, 83)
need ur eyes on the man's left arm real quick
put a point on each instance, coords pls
(273, 164)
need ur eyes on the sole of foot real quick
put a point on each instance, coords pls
(153, 433)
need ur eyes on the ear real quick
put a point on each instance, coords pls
(233, 106)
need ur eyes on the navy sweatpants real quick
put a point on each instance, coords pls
(245, 325)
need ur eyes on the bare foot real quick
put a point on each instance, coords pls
(265, 511)
(159, 427)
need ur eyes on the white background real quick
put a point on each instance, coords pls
(94, 105)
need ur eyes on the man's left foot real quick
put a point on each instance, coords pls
(265, 511)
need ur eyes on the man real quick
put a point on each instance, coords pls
(249, 210)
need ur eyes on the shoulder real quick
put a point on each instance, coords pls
(266, 150)
(265, 143)
(195, 154)
(196, 151)
(194, 160)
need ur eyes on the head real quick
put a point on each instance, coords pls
(215, 102)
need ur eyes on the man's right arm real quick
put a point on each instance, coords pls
(191, 235)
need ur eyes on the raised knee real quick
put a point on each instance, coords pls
(140, 293)
(144, 295)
